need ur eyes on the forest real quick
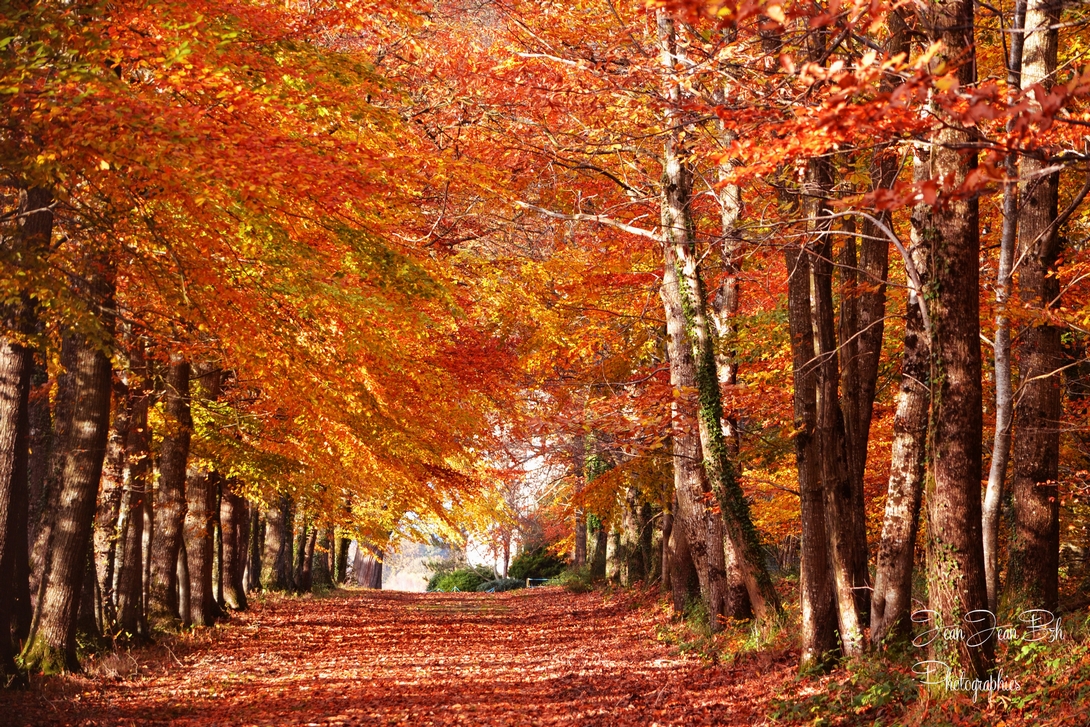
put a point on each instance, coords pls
(769, 318)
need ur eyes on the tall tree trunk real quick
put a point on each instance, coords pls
(306, 581)
(200, 488)
(684, 582)
(182, 578)
(15, 362)
(40, 448)
(866, 319)
(892, 599)
(680, 255)
(234, 526)
(81, 448)
(170, 503)
(1001, 347)
(818, 598)
(106, 535)
(702, 531)
(276, 573)
(579, 455)
(130, 585)
(255, 546)
(323, 559)
(1035, 541)
(598, 559)
(368, 565)
(664, 558)
(35, 237)
(955, 555)
(300, 553)
(847, 557)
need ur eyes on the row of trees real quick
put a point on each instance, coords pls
(213, 342)
(756, 166)
(727, 265)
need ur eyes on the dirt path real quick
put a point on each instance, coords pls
(524, 658)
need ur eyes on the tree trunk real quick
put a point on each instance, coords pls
(955, 556)
(323, 560)
(182, 578)
(234, 529)
(1035, 541)
(867, 311)
(847, 557)
(106, 534)
(40, 449)
(306, 582)
(1004, 394)
(687, 286)
(15, 362)
(300, 554)
(684, 582)
(130, 585)
(601, 545)
(340, 573)
(702, 531)
(818, 599)
(664, 559)
(578, 463)
(368, 566)
(200, 488)
(255, 546)
(79, 454)
(170, 504)
(892, 599)
(276, 573)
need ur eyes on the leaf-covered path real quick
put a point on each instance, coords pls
(543, 656)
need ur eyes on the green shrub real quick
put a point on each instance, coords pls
(464, 579)
(576, 580)
(501, 584)
(536, 563)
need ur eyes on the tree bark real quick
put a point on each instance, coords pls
(130, 584)
(300, 553)
(598, 560)
(78, 460)
(702, 531)
(170, 506)
(40, 448)
(841, 521)
(1004, 394)
(892, 599)
(106, 534)
(1033, 569)
(15, 362)
(306, 582)
(276, 573)
(368, 566)
(955, 556)
(579, 455)
(680, 255)
(234, 526)
(255, 546)
(817, 596)
(684, 582)
(323, 559)
(200, 489)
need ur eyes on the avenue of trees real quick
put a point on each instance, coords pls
(738, 287)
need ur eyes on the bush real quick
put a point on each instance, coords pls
(501, 584)
(576, 580)
(464, 579)
(536, 563)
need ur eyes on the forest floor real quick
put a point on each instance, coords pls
(533, 657)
